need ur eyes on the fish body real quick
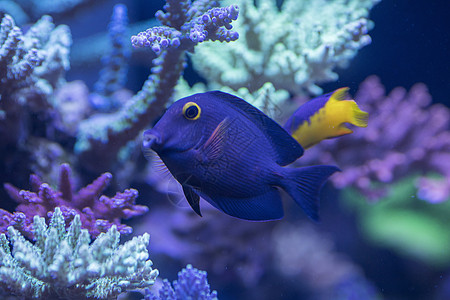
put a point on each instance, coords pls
(226, 151)
(325, 117)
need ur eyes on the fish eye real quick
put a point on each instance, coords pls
(191, 111)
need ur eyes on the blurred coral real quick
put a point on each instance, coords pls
(231, 249)
(406, 135)
(62, 264)
(97, 212)
(100, 138)
(303, 254)
(115, 63)
(24, 10)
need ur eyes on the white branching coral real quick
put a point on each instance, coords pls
(63, 264)
(294, 47)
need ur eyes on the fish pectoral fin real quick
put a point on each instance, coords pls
(263, 207)
(214, 146)
(192, 198)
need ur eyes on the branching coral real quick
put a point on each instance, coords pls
(63, 264)
(32, 65)
(405, 135)
(294, 47)
(98, 212)
(115, 65)
(185, 24)
(191, 284)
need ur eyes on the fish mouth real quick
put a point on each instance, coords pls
(151, 139)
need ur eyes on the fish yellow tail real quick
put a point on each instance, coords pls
(325, 117)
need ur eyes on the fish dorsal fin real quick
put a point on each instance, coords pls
(287, 148)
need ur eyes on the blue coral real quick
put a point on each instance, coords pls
(191, 284)
(115, 62)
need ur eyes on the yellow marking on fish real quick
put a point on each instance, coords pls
(330, 120)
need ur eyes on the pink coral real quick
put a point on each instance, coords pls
(98, 212)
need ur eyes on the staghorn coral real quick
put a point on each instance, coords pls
(294, 47)
(98, 212)
(185, 24)
(191, 284)
(63, 264)
(406, 135)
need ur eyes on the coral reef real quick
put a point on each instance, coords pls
(191, 284)
(294, 47)
(185, 24)
(406, 135)
(63, 264)
(98, 213)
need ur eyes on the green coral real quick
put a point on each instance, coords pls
(63, 264)
(403, 222)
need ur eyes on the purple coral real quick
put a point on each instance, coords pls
(97, 212)
(406, 135)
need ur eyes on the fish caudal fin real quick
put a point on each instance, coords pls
(323, 118)
(304, 184)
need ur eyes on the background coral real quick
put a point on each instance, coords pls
(295, 46)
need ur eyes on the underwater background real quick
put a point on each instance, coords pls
(77, 91)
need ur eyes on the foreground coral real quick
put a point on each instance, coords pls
(61, 263)
(98, 213)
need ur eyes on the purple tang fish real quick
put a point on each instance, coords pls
(221, 148)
